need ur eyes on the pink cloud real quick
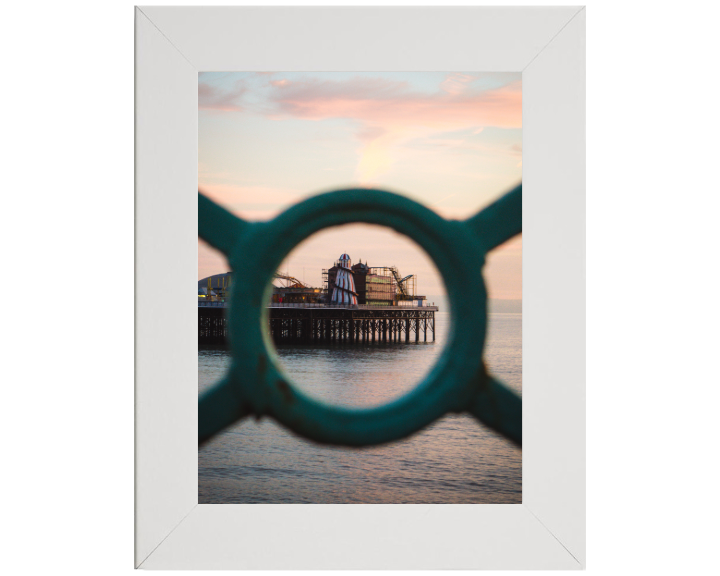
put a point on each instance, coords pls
(213, 98)
(389, 114)
(382, 102)
(456, 83)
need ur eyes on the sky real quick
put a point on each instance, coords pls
(449, 140)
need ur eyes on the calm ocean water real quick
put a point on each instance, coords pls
(453, 461)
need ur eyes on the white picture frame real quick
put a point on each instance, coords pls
(546, 531)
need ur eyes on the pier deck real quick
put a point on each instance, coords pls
(316, 323)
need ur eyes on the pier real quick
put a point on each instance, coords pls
(328, 324)
(357, 304)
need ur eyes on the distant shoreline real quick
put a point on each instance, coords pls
(494, 305)
(512, 306)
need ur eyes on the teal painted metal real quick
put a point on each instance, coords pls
(256, 384)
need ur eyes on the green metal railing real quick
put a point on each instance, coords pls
(256, 385)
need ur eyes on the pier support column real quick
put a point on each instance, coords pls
(351, 327)
(426, 329)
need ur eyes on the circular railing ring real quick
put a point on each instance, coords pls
(256, 384)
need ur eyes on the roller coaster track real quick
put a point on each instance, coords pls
(291, 279)
(399, 281)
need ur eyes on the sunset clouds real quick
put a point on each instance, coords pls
(389, 113)
(386, 113)
(222, 99)
(455, 105)
(452, 141)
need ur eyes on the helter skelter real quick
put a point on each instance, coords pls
(344, 291)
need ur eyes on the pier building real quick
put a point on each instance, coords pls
(357, 304)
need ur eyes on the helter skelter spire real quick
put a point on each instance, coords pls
(344, 291)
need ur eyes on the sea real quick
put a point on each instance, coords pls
(455, 460)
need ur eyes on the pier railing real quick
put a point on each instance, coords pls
(430, 307)
(459, 382)
(211, 303)
(223, 304)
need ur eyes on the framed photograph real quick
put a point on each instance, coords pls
(323, 79)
